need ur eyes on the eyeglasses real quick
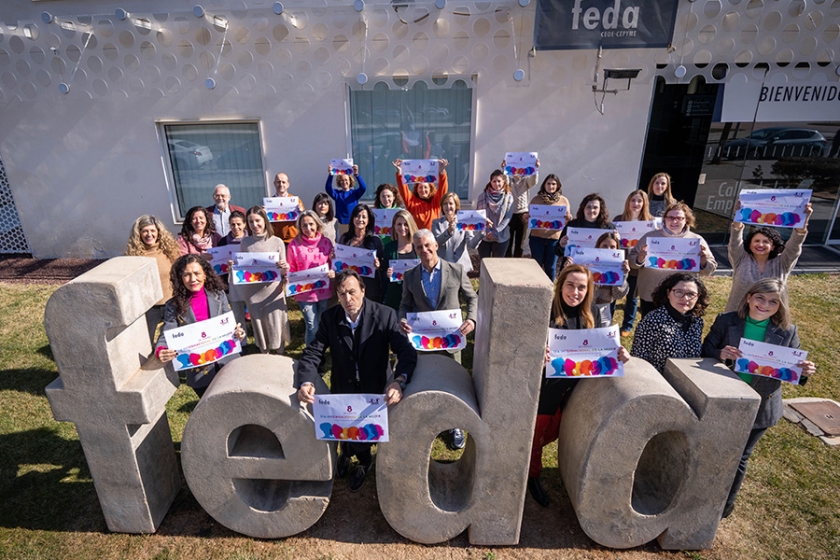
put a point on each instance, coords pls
(688, 295)
(675, 218)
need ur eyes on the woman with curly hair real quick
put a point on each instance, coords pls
(592, 213)
(388, 197)
(347, 192)
(197, 295)
(659, 191)
(762, 255)
(150, 238)
(498, 204)
(675, 328)
(198, 232)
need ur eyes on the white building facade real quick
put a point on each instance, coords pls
(113, 109)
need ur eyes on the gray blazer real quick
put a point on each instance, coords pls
(728, 330)
(453, 281)
(217, 304)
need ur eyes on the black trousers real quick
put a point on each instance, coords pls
(362, 451)
(755, 435)
(517, 235)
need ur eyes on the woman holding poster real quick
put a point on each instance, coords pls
(311, 249)
(762, 315)
(497, 202)
(325, 210)
(197, 295)
(542, 242)
(362, 235)
(572, 308)
(519, 187)
(677, 224)
(636, 209)
(424, 201)
(762, 255)
(403, 228)
(347, 192)
(453, 243)
(675, 328)
(266, 301)
(591, 214)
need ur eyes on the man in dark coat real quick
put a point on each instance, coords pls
(359, 334)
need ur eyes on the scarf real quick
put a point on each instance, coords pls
(549, 198)
(202, 243)
(684, 321)
(494, 201)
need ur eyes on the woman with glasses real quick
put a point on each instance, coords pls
(675, 328)
(677, 223)
(762, 315)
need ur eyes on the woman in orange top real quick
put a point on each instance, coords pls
(424, 202)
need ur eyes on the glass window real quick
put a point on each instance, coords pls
(202, 156)
(416, 123)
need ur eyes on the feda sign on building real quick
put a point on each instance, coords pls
(586, 24)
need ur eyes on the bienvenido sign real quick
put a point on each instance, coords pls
(789, 102)
(587, 24)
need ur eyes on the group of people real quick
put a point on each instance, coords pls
(362, 320)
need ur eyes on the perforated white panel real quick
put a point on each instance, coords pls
(248, 47)
(798, 39)
(12, 239)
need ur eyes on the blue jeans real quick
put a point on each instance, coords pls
(542, 251)
(312, 317)
(630, 304)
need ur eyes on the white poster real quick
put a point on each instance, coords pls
(203, 342)
(308, 280)
(605, 265)
(282, 208)
(584, 353)
(582, 237)
(419, 170)
(673, 253)
(361, 418)
(436, 330)
(520, 164)
(363, 261)
(773, 207)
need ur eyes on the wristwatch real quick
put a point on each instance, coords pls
(401, 381)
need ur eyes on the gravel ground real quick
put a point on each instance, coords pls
(43, 271)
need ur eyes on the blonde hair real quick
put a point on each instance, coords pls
(409, 219)
(319, 224)
(167, 243)
(454, 197)
(644, 213)
(669, 198)
(767, 286)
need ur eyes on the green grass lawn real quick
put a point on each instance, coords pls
(789, 506)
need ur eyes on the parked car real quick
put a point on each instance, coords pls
(777, 142)
(188, 155)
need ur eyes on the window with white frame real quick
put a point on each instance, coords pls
(415, 123)
(203, 155)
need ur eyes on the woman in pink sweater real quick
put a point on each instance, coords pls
(310, 249)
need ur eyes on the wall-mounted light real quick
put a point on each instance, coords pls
(680, 71)
(46, 17)
(142, 23)
(221, 22)
(278, 8)
(359, 5)
(121, 14)
(614, 74)
(27, 31)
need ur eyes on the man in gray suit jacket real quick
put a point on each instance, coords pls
(436, 285)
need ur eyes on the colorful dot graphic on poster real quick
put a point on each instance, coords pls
(511, 170)
(194, 359)
(436, 342)
(605, 365)
(471, 227)
(222, 268)
(743, 365)
(362, 270)
(418, 178)
(397, 277)
(248, 277)
(751, 216)
(605, 278)
(368, 432)
(545, 224)
(628, 243)
(673, 264)
(382, 230)
(307, 286)
(282, 216)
